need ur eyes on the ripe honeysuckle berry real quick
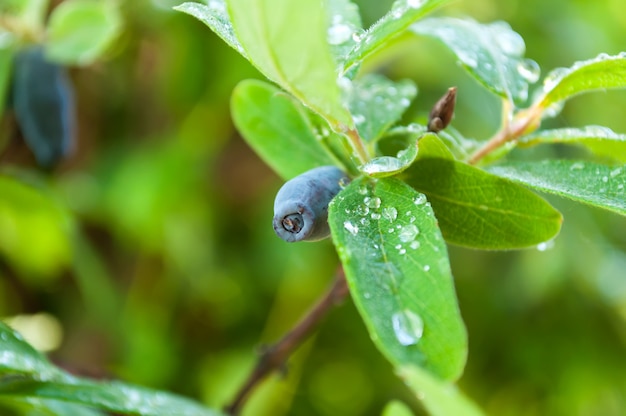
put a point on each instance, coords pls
(43, 102)
(301, 205)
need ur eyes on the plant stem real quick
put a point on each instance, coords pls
(523, 123)
(357, 145)
(275, 356)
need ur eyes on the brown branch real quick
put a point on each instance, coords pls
(275, 356)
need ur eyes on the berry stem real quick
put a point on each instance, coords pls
(275, 356)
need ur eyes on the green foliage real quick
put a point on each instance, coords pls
(150, 235)
(26, 374)
(80, 31)
(397, 267)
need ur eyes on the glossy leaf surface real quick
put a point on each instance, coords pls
(397, 268)
(491, 53)
(478, 209)
(590, 183)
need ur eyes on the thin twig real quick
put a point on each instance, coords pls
(276, 355)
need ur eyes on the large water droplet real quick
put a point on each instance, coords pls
(390, 213)
(373, 203)
(339, 33)
(546, 245)
(408, 327)
(509, 41)
(529, 70)
(352, 228)
(420, 199)
(383, 164)
(408, 233)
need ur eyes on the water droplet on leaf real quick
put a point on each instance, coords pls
(408, 327)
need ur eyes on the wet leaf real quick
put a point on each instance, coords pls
(480, 210)
(344, 27)
(402, 14)
(600, 140)
(590, 183)
(397, 268)
(600, 73)
(376, 103)
(214, 15)
(276, 127)
(491, 53)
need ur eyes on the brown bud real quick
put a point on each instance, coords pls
(441, 114)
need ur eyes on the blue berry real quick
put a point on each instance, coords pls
(301, 205)
(43, 102)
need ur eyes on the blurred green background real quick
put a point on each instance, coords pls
(152, 255)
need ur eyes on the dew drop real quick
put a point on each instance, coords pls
(362, 190)
(367, 295)
(420, 199)
(408, 233)
(615, 172)
(402, 251)
(382, 164)
(362, 210)
(529, 70)
(546, 245)
(358, 36)
(375, 216)
(352, 228)
(408, 327)
(577, 166)
(415, 245)
(620, 186)
(426, 268)
(414, 4)
(605, 179)
(390, 213)
(339, 33)
(373, 203)
(553, 78)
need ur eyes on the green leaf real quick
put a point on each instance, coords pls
(80, 31)
(491, 53)
(214, 15)
(18, 357)
(30, 13)
(396, 408)
(383, 166)
(397, 269)
(28, 374)
(600, 73)
(276, 127)
(111, 396)
(590, 183)
(377, 102)
(344, 27)
(600, 140)
(286, 41)
(480, 210)
(25, 212)
(402, 14)
(439, 398)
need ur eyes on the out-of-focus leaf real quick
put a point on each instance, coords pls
(344, 27)
(34, 234)
(275, 126)
(396, 408)
(30, 375)
(80, 31)
(377, 102)
(439, 398)
(600, 73)
(481, 210)
(397, 268)
(271, 32)
(600, 140)
(110, 396)
(31, 13)
(402, 14)
(491, 53)
(214, 15)
(18, 357)
(587, 182)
